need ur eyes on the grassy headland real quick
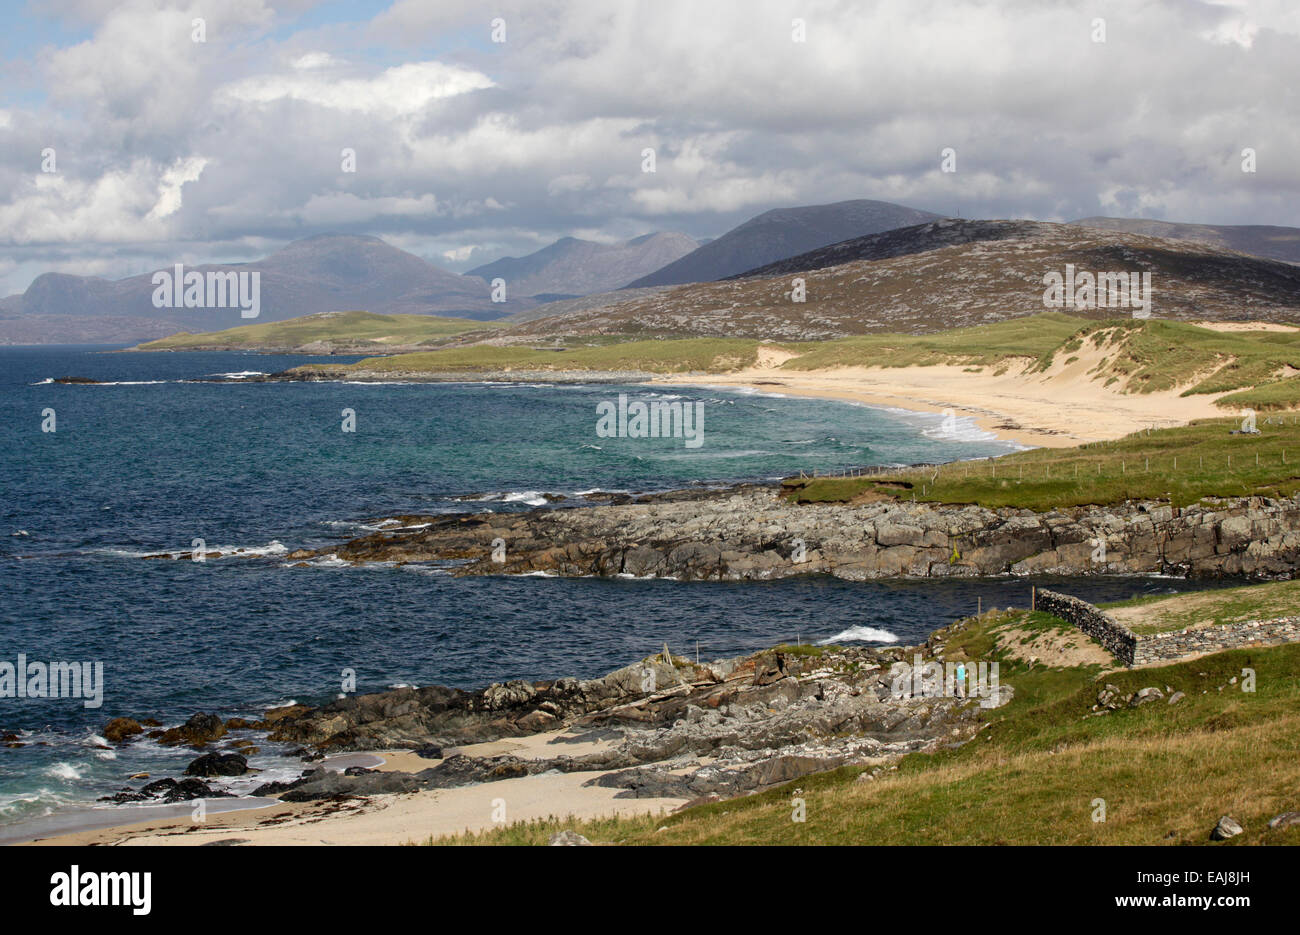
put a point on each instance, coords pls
(336, 329)
(1180, 465)
(691, 354)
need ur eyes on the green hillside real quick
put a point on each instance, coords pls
(342, 329)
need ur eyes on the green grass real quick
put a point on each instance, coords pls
(699, 354)
(1160, 614)
(1181, 465)
(1031, 776)
(1034, 337)
(352, 328)
(1280, 394)
(1154, 355)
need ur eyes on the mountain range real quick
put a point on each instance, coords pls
(571, 267)
(667, 283)
(936, 276)
(324, 273)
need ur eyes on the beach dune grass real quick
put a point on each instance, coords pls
(1141, 355)
(1035, 773)
(1180, 465)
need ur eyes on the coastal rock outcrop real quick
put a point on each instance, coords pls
(120, 728)
(418, 717)
(166, 791)
(198, 731)
(218, 764)
(753, 533)
(661, 727)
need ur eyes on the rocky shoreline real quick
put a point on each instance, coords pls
(666, 727)
(752, 532)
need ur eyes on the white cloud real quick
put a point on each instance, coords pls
(507, 146)
(401, 91)
(169, 192)
(315, 60)
(459, 254)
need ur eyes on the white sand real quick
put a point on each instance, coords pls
(1061, 407)
(401, 819)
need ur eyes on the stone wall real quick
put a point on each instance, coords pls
(1131, 649)
(1118, 639)
(1163, 646)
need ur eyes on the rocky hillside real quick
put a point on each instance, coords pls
(941, 275)
(781, 233)
(573, 267)
(1277, 243)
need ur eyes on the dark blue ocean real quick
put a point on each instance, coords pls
(154, 460)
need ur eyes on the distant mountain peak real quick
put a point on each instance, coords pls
(780, 233)
(1277, 243)
(574, 267)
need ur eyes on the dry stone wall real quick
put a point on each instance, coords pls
(1132, 649)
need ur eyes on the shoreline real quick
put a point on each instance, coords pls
(1059, 408)
(381, 819)
(615, 750)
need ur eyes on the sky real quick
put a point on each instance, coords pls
(134, 136)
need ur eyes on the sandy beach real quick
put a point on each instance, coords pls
(1058, 408)
(396, 819)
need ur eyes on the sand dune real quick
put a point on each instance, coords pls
(1060, 407)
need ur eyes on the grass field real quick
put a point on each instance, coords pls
(1033, 775)
(350, 328)
(1181, 465)
(1146, 615)
(1034, 338)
